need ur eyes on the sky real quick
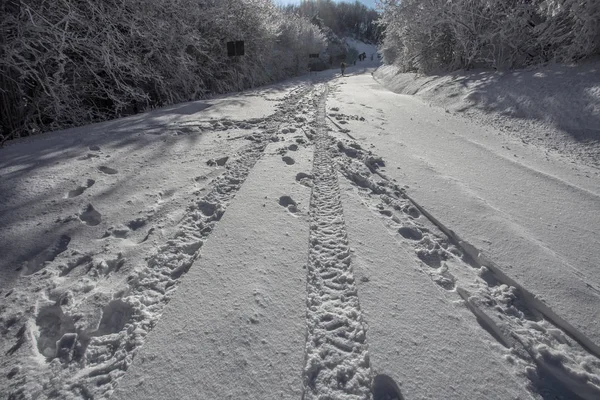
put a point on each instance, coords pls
(368, 3)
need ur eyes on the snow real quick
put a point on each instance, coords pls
(507, 212)
(404, 338)
(103, 221)
(556, 106)
(361, 47)
(239, 316)
(491, 198)
(324, 237)
(337, 358)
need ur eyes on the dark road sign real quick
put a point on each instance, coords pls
(235, 48)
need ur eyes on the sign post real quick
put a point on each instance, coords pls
(310, 63)
(236, 49)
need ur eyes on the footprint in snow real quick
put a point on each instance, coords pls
(288, 203)
(207, 208)
(115, 315)
(80, 189)
(432, 258)
(71, 265)
(120, 232)
(165, 195)
(446, 281)
(304, 179)
(385, 388)
(56, 332)
(58, 337)
(48, 254)
(88, 156)
(412, 211)
(107, 170)
(90, 216)
(136, 224)
(219, 161)
(410, 232)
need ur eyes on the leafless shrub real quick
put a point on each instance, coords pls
(425, 35)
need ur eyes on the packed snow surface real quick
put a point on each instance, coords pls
(325, 238)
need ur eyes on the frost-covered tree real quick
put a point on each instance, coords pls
(425, 35)
(343, 18)
(71, 62)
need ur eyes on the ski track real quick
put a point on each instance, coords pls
(547, 351)
(67, 359)
(337, 360)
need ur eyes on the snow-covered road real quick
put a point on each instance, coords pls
(322, 238)
(536, 217)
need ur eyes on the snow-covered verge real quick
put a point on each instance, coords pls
(556, 106)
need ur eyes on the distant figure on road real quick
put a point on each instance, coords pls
(343, 67)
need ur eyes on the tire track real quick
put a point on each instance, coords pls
(558, 361)
(87, 362)
(155, 284)
(337, 361)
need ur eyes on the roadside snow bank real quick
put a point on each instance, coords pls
(557, 106)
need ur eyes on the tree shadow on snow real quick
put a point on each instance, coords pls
(34, 158)
(32, 189)
(564, 96)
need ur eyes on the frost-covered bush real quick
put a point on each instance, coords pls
(426, 35)
(71, 62)
(345, 18)
(295, 39)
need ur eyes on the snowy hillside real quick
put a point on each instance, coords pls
(368, 49)
(320, 238)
